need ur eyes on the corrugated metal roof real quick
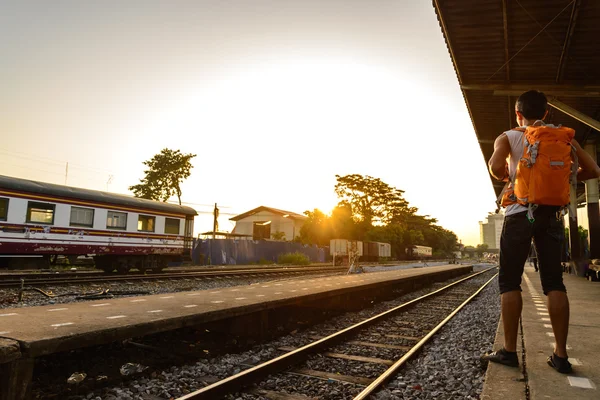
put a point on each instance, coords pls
(481, 38)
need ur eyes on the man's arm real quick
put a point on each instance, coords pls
(588, 169)
(497, 164)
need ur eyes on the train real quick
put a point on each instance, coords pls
(419, 252)
(366, 251)
(41, 221)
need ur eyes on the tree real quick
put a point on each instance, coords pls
(315, 229)
(166, 171)
(371, 199)
(470, 251)
(372, 210)
(481, 248)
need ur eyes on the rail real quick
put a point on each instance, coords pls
(179, 275)
(256, 373)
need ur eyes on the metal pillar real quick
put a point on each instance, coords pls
(593, 211)
(574, 241)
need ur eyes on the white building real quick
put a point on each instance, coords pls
(490, 230)
(268, 223)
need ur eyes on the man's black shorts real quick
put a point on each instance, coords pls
(547, 233)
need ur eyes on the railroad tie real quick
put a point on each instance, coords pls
(357, 380)
(271, 395)
(371, 344)
(346, 356)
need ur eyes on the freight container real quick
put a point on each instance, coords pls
(340, 247)
(385, 250)
(419, 252)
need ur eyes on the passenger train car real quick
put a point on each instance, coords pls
(39, 221)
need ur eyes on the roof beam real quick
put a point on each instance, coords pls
(505, 24)
(565, 50)
(555, 89)
(556, 93)
(579, 116)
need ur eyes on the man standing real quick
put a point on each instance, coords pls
(540, 222)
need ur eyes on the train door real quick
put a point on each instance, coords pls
(188, 235)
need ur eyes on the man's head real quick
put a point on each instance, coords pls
(530, 107)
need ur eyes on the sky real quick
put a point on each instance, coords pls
(275, 97)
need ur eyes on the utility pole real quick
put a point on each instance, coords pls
(215, 221)
(66, 172)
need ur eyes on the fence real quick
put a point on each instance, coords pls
(235, 251)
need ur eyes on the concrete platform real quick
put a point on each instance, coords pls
(50, 329)
(541, 381)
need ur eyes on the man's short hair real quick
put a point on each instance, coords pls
(532, 105)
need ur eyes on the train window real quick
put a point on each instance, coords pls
(82, 216)
(172, 225)
(146, 223)
(40, 213)
(116, 220)
(3, 209)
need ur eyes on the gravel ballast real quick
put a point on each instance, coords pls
(447, 368)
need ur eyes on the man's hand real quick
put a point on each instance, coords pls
(588, 169)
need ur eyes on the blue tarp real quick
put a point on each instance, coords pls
(236, 251)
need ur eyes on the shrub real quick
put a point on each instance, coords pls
(296, 258)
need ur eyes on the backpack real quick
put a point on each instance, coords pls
(546, 170)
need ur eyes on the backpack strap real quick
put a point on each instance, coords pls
(573, 181)
(499, 199)
(509, 181)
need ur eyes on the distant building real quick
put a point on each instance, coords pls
(268, 223)
(490, 231)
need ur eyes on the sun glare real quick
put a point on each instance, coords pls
(271, 120)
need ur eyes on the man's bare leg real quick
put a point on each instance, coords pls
(512, 304)
(558, 308)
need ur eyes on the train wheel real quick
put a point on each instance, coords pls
(104, 264)
(140, 265)
(123, 268)
(161, 263)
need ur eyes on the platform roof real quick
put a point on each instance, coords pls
(501, 48)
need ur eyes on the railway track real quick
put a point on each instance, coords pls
(97, 278)
(363, 356)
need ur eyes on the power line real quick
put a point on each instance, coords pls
(49, 160)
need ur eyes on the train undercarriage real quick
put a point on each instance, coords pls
(107, 263)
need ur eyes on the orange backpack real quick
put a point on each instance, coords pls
(546, 170)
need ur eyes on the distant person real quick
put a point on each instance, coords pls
(533, 257)
(535, 215)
